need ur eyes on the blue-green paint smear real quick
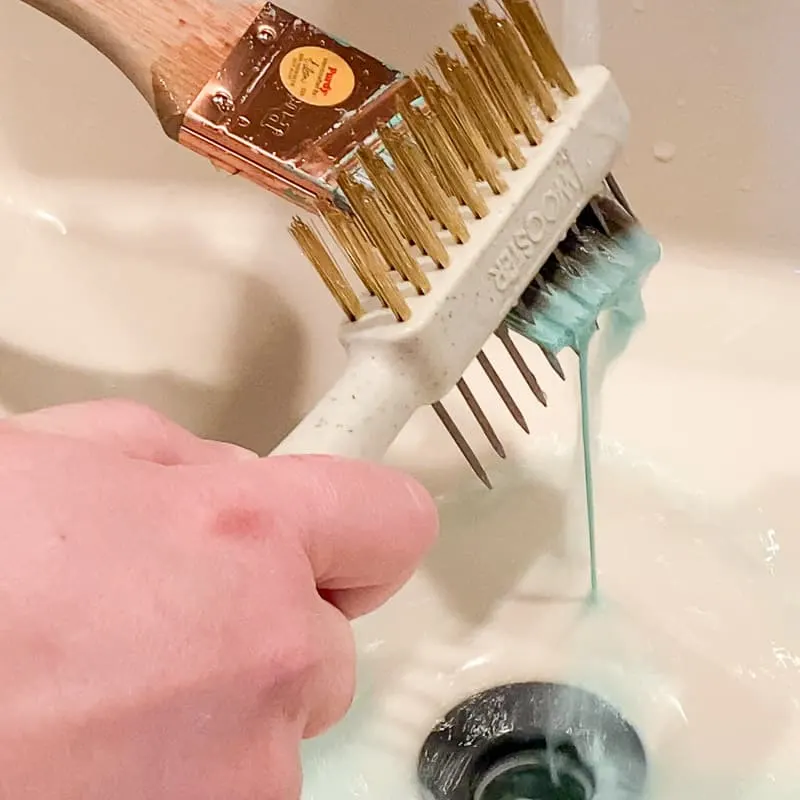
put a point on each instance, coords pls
(611, 282)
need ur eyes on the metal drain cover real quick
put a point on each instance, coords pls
(533, 741)
(538, 772)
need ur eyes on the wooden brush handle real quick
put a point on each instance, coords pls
(169, 49)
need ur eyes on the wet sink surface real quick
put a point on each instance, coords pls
(695, 636)
(150, 277)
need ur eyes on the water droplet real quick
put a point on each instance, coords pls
(265, 34)
(745, 186)
(638, 5)
(713, 50)
(664, 151)
(681, 102)
(223, 101)
(243, 121)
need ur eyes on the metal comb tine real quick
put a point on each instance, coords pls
(599, 216)
(502, 390)
(619, 196)
(504, 335)
(542, 284)
(481, 417)
(564, 265)
(553, 361)
(462, 444)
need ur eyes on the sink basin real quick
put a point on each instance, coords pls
(153, 277)
(694, 635)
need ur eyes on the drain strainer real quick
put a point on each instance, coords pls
(533, 741)
(535, 772)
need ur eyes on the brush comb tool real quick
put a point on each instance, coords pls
(471, 199)
(547, 247)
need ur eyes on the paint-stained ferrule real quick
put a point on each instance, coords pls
(289, 104)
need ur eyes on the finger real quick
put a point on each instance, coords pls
(130, 429)
(354, 603)
(364, 527)
(331, 686)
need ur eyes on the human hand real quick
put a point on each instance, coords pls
(173, 613)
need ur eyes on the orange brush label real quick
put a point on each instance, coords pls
(317, 76)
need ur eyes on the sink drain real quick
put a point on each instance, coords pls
(538, 772)
(533, 741)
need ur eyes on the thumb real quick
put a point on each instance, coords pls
(128, 428)
(365, 527)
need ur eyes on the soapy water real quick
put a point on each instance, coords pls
(688, 661)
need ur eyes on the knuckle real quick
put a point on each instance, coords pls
(302, 654)
(138, 416)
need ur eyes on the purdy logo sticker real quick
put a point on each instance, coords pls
(327, 81)
(317, 76)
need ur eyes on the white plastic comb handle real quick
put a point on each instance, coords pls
(395, 368)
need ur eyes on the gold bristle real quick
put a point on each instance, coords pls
(464, 135)
(504, 38)
(490, 68)
(405, 206)
(489, 120)
(340, 225)
(544, 51)
(408, 160)
(316, 252)
(468, 44)
(426, 87)
(443, 154)
(379, 224)
(415, 168)
(414, 121)
(463, 84)
(366, 262)
(518, 108)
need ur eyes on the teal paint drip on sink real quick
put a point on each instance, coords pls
(612, 273)
(588, 480)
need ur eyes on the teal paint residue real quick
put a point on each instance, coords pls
(613, 273)
(339, 40)
(588, 480)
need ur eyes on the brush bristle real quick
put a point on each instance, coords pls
(603, 260)
(409, 189)
(419, 188)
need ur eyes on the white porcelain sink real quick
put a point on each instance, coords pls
(153, 277)
(695, 637)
